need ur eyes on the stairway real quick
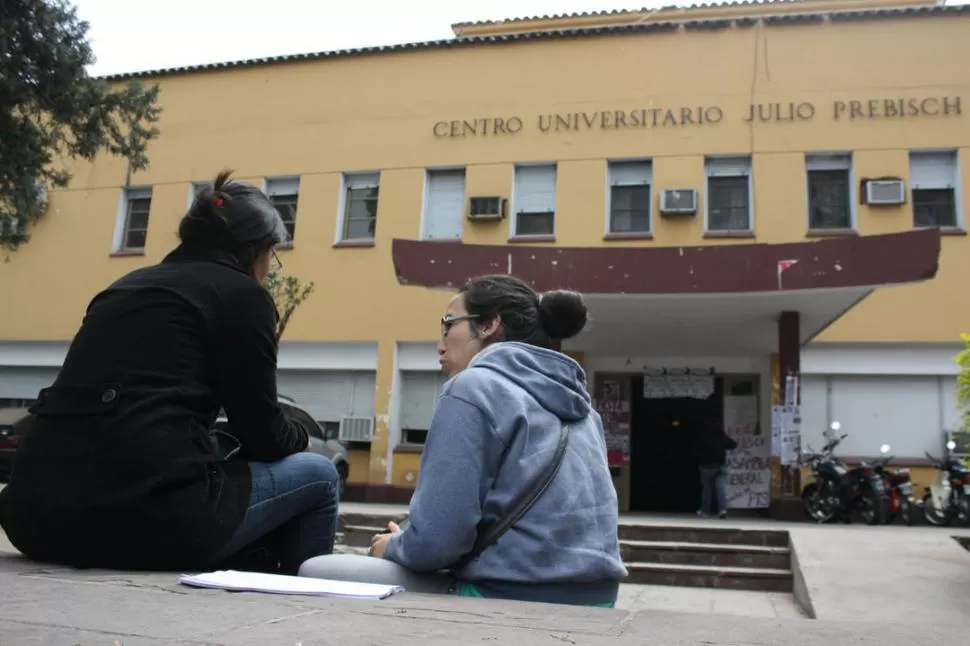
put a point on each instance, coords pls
(706, 556)
(699, 555)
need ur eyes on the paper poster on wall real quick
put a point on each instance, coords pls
(614, 410)
(749, 465)
(786, 433)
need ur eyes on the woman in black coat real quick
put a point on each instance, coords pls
(118, 470)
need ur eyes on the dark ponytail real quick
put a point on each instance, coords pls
(525, 315)
(562, 314)
(233, 216)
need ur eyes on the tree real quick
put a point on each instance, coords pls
(288, 293)
(963, 383)
(51, 109)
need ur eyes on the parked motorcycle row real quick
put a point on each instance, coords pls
(879, 495)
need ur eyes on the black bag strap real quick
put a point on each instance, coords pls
(488, 535)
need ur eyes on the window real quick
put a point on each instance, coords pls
(419, 396)
(284, 193)
(729, 194)
(360, 206)
(629, 209)
(933, 178)
(534, 198)
(829, 191)
(444, 209)
(134, 233)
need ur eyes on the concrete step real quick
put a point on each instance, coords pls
(358, 535)
(701, 533)
(706, 554)
(693, 576)
(368, 519)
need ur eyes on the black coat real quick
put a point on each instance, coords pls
(711, 445)
(117, 471)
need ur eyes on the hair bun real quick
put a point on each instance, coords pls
(562, 314)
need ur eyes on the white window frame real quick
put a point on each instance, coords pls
(439, 379)
(728, 166)
(426, 195)
(516, 199)
(832, 161)
(121, 219)
(611, 172)
(954, 182)
(348, 181)
(194, 189)
(285, 186)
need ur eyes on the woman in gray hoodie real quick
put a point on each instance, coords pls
(512, 410)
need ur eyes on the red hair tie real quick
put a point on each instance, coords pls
(217, 201)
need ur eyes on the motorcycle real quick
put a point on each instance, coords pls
(837, 491)
(899, 487)
(948, 499)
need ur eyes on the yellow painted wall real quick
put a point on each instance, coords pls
(405, 470)
(317, 119)
(359, 460)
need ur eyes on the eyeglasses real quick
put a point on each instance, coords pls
(448, 321)
(276, 259)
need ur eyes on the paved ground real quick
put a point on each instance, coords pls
(882, 586)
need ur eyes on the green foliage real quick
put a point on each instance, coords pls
(288, 293)
(50, 109)
(963, 383)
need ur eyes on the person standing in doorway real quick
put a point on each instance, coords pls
(712, 445)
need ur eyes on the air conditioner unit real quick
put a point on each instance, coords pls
(356, 429)
(885, 191)
(486, 208)
(678, 201)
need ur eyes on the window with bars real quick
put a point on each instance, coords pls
(630, 197)
(284, 193)
(933, 180)
(829, 181)
(934, 207)
(138, 204)
(534, 200)
(729, 204)
(361, 195)
(829, 201)
(729, 194)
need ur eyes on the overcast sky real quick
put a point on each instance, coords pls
(129, 37)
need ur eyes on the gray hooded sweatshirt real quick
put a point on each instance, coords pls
(494, 432)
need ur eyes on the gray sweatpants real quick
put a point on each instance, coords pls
(368, 569)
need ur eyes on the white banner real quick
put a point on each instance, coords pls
(748, 466)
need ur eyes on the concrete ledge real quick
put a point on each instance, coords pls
(799, 587)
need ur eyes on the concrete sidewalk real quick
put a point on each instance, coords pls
(867, 585)
(57, 607)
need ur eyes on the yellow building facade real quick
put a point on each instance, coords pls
(727, 125)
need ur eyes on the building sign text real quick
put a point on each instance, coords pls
(893, 109)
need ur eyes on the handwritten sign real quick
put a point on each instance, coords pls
(749, 465)
(614, 410)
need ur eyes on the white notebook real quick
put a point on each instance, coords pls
(281, 584)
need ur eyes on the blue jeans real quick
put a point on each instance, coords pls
(712, 481)
(292, 514)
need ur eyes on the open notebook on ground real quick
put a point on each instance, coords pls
(279, 584)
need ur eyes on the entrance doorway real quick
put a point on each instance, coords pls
(664, 474)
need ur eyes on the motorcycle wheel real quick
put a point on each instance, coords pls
(933, 515)
(873, 508)
(812, 504)
(906, 512)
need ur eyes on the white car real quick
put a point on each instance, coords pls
(319, 442)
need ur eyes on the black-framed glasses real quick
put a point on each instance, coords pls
(448, 321)
(279, 263)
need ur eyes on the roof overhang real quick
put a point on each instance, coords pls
(714, 300)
